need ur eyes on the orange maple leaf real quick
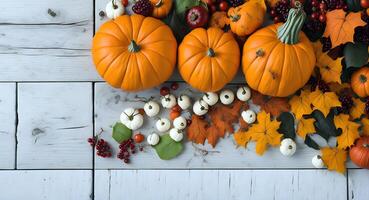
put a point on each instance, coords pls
(196, 132)
(334, 158)
(341, 27)
(272, 105)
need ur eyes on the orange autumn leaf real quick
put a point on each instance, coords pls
(357, 109)
(196, 131)
(339, 87)
(305, 127)
(324, 101)
(335, 159)
(350, 131)
(341, 120)
(265, 132)
(365, 127)
(329, 68)
(272, 105)
(341, 27)
(241, 136)
(300, 105)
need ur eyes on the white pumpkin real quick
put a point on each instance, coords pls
(184, 102)
(168, 101)
(163, 125)
(176, 134)
(317, 161)
(153, 139)
(243, 93)
(248, 116)
(226, 97)
(180, 123)
(114, 9)
(151, 108)
(131, 118)
(211, 98)
(288, 147)
(200, 107)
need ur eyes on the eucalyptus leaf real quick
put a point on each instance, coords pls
(179, 28)
(354, 5)
(356, 55)
(121, 133)
(168, 148)
(287, 127)
(311, 143)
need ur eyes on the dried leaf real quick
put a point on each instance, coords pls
(357, 109)
(341, 27)
(300, 105)
(365, 127)
(305, 127)
(196, 132)
(242, 138)
(335, 159)
(329, 69)
(324, 101)
(272, 105)
(350, 131)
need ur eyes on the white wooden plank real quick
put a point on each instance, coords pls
(46, 185)
(7, 127)
(358, 184)
(219, 184)
(109, 103)
(55, 119)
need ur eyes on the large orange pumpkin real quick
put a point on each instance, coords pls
(161, 8)
(208, 59)
(134, 53)
(360, 82)
(359, 153)
(279, 59)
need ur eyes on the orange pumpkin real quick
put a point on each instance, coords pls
(219, 19)
(360, 82)
(208, 59)
(248, 17)
(279, 59)
(161, 8)
(134, 53)
(359, 153)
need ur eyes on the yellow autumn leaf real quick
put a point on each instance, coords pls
(341, 120)
(357, 109)
(242, 138)
(350, 131)
(324, 101)
(335, 159)
(329, 69)
(300, 105)
(305, 127)
(265, 132)
(365, 127)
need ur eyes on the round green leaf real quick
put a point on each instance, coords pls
(168, 148)
(356, 55)
(121, 133)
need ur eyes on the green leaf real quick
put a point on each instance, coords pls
(354, 5)
(178, 27)
(168, 148)
(356, 55)
(311, 143)
(182, 6)
(121, 133)
(287, 127)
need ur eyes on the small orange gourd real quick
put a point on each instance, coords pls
(219, 19)
(134, 52)
(359, 153)
(208, 59)
(360, 82)
(161, 8)
(279, 59)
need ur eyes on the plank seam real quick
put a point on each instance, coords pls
(16, 127)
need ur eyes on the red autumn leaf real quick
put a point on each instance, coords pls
(272, 105)
(197, 132)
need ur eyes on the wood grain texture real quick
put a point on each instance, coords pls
(219, 184)
(358, 180)
(7, 125)
(46, 185)
(55, 119)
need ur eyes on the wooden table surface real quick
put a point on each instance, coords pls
(52, 100)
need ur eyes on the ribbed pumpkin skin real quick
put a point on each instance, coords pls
(360, 82)
(201, 71)
(134, 71)
(359, 153)
(283, 68)
(161, 10)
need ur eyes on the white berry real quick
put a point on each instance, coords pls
(168, 101)
(162, 125)
(226, 97)
(153, 139)
(184, 102)
(211, 98)
(180, 123)
(243, 93)
(131, 118)
(317, 161)
(151, 108)
(200, 107)
(288, 147)
(248, 116)
(176, 134)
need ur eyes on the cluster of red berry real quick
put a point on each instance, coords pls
(216, 5)
(346, 103)
(126, 149)
(102, 147)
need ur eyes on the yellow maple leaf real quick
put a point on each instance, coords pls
(324, 101)
(365, 127)
(341, 120)
(341, 27)
(357, 109)
(242, 138)
(305, 127)
(329, 69)
(335, 159)
(300, 105)
(350, 131)
(265, 132)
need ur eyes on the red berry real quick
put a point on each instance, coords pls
(141, 148)
(315, 3)
(139, 138)
(273, 13)
(322, 18)
(364, 3)
(223, 6)
(322, 6)
(174, 86)
(315, 15)
(176, 108)
(213, 8)
(141, 111)
(125, 3)
(164, 91)
(276, 19)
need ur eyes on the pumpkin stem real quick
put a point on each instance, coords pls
(288, 33)
(114, 5)
(159, 3)
(260, 53)
(366, 145)
(210, 52)
(235, 18)
(133, 47)
(363, 78)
